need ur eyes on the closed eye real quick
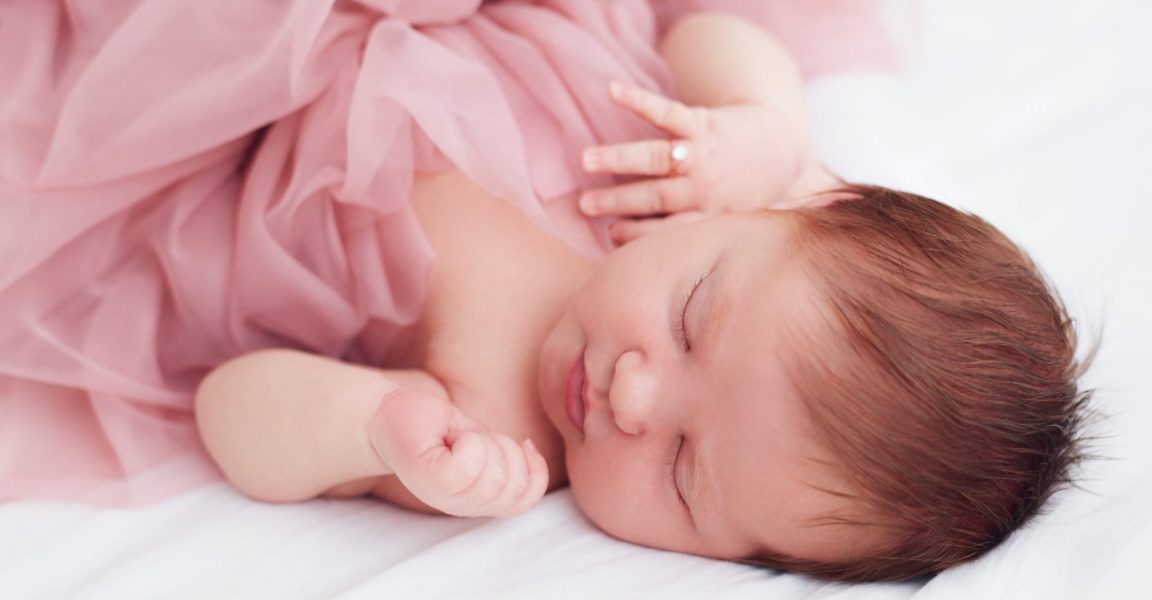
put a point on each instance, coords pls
(682, 325)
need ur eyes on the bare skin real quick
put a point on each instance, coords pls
(469, 419)
(475, 347)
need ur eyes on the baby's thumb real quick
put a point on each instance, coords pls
(408, 425)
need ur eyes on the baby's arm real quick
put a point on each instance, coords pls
(721, 60)
(741, 115)
(286, 426)
(742, 64)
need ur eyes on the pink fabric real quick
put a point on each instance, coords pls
(182, 182)
(823, 35)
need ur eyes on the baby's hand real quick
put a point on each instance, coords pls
(451, 462)
(725, 159)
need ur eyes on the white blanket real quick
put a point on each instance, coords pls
(1033, 114)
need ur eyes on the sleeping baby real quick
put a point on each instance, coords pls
(773, 366)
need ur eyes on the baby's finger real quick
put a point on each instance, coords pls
(465, 482)
(407, 428)
(640, 199)
(649, 157)
(662, 112)
(437, 475)
(537, 480)
(627, 230)
(514, 482)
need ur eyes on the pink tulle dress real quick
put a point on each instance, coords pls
(183, 182)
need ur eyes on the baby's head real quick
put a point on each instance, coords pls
(876, 388)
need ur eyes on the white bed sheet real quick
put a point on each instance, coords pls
(1032, 113)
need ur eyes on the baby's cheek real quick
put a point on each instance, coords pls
(612, 500)
(593, 489)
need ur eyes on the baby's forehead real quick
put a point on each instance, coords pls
(772, 305)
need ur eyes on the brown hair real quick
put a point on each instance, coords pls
(947, 390)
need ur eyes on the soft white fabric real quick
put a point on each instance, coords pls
(1033, 114)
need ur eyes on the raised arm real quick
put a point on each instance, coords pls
(738, 129)
(721, 60)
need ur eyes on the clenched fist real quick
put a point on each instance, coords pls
(451, 462)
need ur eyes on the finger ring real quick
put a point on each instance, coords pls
(677, 156)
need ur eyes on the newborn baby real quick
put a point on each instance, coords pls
(774, 367)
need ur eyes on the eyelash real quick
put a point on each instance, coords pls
(671, 468)
(682, 327)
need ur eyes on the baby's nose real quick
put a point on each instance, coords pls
(632, 392)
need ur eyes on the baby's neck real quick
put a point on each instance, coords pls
(498, 285)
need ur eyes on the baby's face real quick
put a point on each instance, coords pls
(680, 428)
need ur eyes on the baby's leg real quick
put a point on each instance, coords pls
(286, 426)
